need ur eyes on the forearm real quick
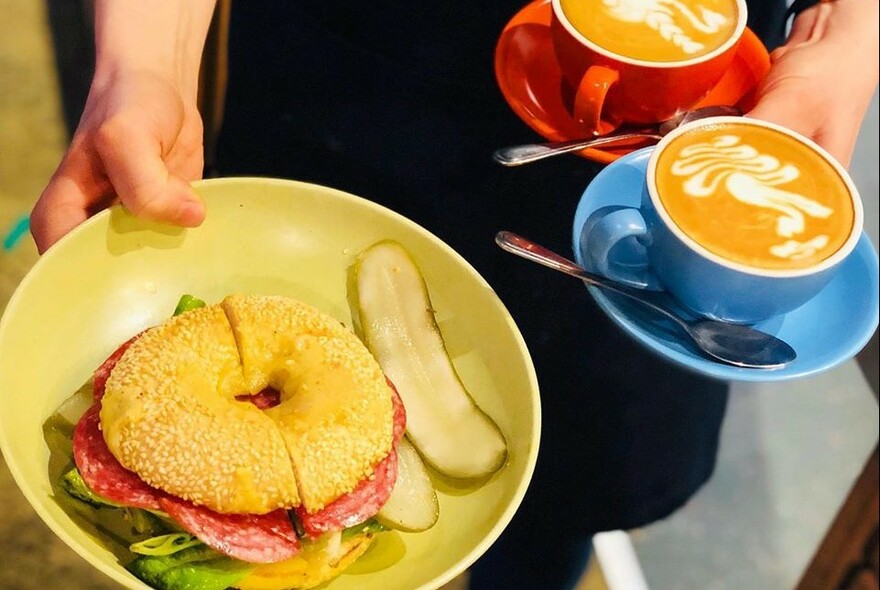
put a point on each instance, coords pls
(165, 37)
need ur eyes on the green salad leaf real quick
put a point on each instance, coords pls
(188, 303)
(197, 567)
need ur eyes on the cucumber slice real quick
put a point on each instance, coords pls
(412, 506)
(72, 409)
(392, 313)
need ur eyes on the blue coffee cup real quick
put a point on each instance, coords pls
(644, 247)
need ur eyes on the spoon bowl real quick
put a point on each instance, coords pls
(733, 344)
(532, 152)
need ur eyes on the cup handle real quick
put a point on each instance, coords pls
(589, 99)
(613, 243)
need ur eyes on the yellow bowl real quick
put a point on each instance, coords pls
(116, 275)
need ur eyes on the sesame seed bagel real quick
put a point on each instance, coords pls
(170, 412)
(336, 414)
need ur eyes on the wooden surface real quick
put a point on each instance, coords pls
(847, 558)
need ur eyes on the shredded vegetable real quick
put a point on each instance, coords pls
(165, 544)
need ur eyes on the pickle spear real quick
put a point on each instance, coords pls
(412, 506)
(394, 317)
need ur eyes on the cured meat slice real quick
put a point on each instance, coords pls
(255, 538)
(100, 470)
(103, 372)
(356, 506)
(267, 398)
(368, 497)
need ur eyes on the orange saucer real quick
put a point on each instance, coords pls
(531, 82)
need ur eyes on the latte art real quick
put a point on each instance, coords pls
(754, 196)
(752, 177)
(654, 30)
(669, 18)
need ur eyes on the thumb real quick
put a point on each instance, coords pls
(838, 139)
(133, 162)
(62, 206)
(776, 107)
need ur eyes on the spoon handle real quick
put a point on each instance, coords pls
(531, 152)
(529, 250)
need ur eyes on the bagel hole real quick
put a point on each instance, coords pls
(265, 399)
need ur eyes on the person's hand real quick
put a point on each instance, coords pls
(821, 81)
(138, 142)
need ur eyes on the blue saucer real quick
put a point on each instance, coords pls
(826, 331)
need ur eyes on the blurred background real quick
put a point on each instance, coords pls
(793, 503)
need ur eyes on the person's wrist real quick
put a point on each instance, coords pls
(163, 38)
(112, 70)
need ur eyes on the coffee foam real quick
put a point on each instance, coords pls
(654, 30)
(755, 196)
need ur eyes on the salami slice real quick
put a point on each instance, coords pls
(356, 506)
(370, 494)
(103, 372)
(100, 470)
(255, 538)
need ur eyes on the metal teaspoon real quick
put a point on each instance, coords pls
(733, 344)
(532, 152)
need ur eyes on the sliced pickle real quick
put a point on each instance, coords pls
(393, 315)
(412, 506)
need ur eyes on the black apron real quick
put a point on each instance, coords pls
(397, 102)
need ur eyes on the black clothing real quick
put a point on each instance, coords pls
(397, 102)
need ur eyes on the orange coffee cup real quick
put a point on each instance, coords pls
(641, 61)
